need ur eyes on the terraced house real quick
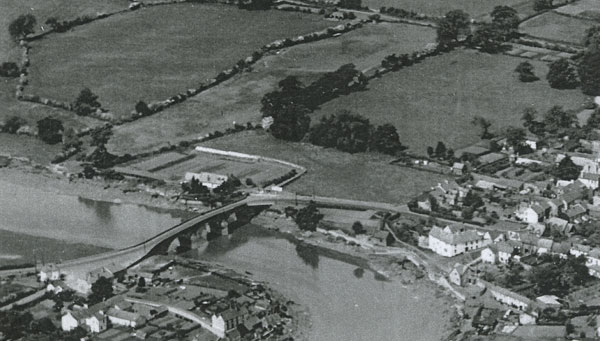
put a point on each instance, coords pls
(456, 239)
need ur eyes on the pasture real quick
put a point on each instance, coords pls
(436, 99)
(476, 8)
(44, 9)
(553, 26)
(155, 52)
(238, 99)
(334, 173)
(582, 8)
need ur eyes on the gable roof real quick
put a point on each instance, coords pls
(454, 238)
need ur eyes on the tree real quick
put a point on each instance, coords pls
(86, 102)
(101, 290)
(52, 22)
(100, 136)
(142, 108)
(542, 5)
(589, 73)
(350, 4)
(505, 17)
(22, 26)
(488, 38)
(290, 84)
(472, 199)
(50, 130)
(484, 125)
(358, 228)
(385, 139)
(430, 151)
(450, 26)
(557, 118)
(515, 136)
(566, 169)
(9, 69)
(591, 39)
(308, 217)
(440, 149)
(13, 124)
(525, 71)
(562, 75)
(70, 139)
(529, 116)
(142, 282)
(291, 123)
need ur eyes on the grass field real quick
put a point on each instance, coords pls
(44, 9)
(239, 98)
(558, 27)
(334, 173)
(475, 8)
(583, 8)
(156, 52)
(437, 99)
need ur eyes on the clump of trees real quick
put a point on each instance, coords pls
(350, 4)
(526, 72)
(22, 26)
(142, 108)
(354, 133)
(441, 152)
(562, 75)
(542, 5)
(450, 26)
(101, 290)
(86, 102)
(9, 69)
(558, 276)
(13, 124)
(308, 218)
(490, 37)
(255, 4)
(50, 130)
(484, 124)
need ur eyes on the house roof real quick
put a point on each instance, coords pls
(491, 158)
(500, 182)
(545, 243)
(454, 238)
(562, 248)
(507, 292)
(590, 176)
(575, 211)
(458, 165)
(124, 315)
(504, 247)
(540, 332)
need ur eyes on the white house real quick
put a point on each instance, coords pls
(210, 180)
(508, 297)
(459, 275)
(72, 319)
(49, 272)
(96, 323)
(505, 252)
(454, 240)
(488, 255)
(590, 180)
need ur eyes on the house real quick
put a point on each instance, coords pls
(590, 180)
(448, 193)
(72, 319)
(508, 297)
(227, 320)
(382, 238)
(125, 318)
(544, 245)
(454, 240)
(548, 301)
(580, 250)
(532, 141)
(458, 168)
(504, 252)
(534, 212)
(96, 323)
(560, 225)
(460, 275)
(49, 272)
(210, 180)
(105, 271)
(488, 255)
(491, 183)
(575, 213)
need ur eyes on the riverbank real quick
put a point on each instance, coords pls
(388, 267)
(30, 175)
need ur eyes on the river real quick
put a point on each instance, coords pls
(27, 213)
(344, 305)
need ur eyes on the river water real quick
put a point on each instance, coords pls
(35, 213)
(343, 304)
